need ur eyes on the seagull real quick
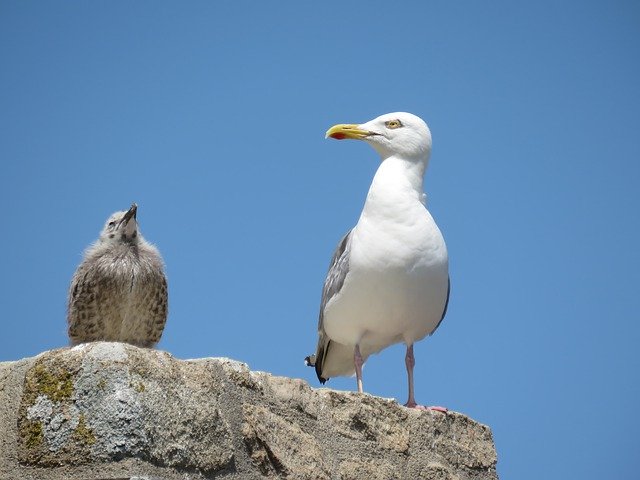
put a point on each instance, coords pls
(119, 291)
(388, 281)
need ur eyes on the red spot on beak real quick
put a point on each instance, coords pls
(338, 136)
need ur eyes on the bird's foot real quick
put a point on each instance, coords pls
(422, 407)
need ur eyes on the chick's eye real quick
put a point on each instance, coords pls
(111, 224)
(391, 124)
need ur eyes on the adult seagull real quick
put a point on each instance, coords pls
(388, 281)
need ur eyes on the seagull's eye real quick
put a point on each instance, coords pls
(111, 224)
(391, 124)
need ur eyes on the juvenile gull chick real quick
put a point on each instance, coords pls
(388, 281)
(119, 291)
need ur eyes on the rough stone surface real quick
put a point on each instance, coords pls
(115, 411)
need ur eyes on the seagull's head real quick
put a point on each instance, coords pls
(393, 134)
(121, 227)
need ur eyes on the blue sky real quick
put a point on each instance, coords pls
(211, 116)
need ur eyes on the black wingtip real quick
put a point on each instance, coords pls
(446, 305)
(319, 360)
(311, 361)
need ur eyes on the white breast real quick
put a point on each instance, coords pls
(396, 288)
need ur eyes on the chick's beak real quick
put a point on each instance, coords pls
(131, 213)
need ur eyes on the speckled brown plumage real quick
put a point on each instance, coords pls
(119, 291)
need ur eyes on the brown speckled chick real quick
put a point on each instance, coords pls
(119, 291)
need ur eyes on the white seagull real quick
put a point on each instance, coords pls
(389, 277)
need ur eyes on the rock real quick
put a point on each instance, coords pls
(113, 411)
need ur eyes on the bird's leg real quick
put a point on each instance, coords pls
(410, 362)
(357, 361)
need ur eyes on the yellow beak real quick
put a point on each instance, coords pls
(343, 130)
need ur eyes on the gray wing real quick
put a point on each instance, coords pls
(332, 285)
(336, 274)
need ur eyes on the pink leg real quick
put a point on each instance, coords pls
(410, 362)
(357, 361)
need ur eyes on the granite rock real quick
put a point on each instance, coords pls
(113, 411)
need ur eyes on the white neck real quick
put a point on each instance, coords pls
(396, 185)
